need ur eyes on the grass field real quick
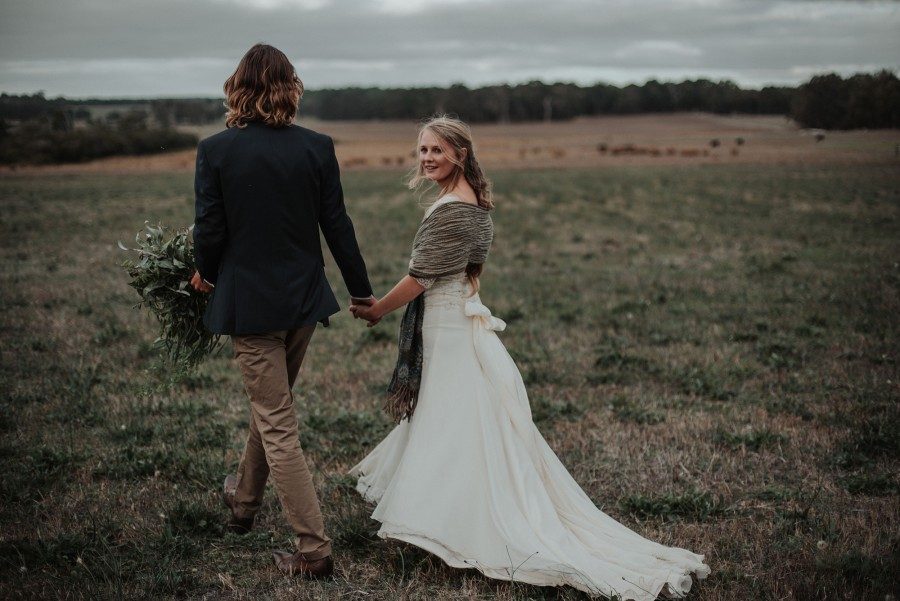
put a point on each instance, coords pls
(712, 350)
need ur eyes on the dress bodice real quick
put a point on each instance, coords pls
(448, 292)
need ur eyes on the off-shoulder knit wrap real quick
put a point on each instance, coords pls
(452, 237)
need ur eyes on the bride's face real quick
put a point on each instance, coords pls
(433, 157)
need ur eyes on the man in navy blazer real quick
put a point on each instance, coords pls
(264, 188)
(262, 194)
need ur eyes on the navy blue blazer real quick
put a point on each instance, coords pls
(261, 196)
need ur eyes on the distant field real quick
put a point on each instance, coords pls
(666, 139)
(711, 349)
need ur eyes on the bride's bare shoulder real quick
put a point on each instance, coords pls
(462, 197)
(448, 198)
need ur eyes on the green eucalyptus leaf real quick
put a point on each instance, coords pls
(161, 277)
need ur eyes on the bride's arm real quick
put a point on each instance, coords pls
(405, 290)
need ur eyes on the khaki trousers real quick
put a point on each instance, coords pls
(270, 364)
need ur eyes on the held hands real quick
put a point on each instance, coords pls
(372, 309)
(363, 309)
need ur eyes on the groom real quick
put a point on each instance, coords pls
(264, 188)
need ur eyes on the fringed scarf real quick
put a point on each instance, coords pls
(453, 236)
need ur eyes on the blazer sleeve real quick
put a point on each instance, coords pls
(210, 225)
(338, 228)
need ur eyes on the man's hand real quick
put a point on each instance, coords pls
(200, 285)
(365, 311)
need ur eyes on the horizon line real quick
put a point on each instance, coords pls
(191, 96)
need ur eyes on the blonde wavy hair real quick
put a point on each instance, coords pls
(455, 135)
(264, 87)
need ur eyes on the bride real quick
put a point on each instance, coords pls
(465, 474)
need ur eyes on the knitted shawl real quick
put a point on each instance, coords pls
(452, 237)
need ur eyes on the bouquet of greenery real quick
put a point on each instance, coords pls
(161, 275)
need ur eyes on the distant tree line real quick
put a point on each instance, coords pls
(536, 101)
(34, 130)
(826, 101)
(861, 101)
(37, 129)
(192, 111)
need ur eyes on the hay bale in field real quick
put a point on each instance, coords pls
(631, 149)
(355, 162)
(624, 149)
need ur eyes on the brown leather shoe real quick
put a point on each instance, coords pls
(235, 524)
(293, 564)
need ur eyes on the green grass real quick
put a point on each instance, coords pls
(692, 504)
(711, 351)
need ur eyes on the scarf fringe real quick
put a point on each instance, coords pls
(403, 390)
(401, 402)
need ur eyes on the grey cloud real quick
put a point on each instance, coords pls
(346, 42)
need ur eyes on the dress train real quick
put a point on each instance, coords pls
(471, 479)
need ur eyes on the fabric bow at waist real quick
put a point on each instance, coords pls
(482, 314)
(509, 397)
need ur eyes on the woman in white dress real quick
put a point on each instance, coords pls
(467, 475)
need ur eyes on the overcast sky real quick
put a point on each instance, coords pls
(147, 48)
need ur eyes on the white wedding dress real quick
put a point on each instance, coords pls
(470, 478)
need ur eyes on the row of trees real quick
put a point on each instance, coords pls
(199, 111)
(536, 101)
(52, 137)
(164, 112)
(36, 129)
(862, 101)
(826, 101)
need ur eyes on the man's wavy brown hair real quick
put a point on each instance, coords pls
(264, 87)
